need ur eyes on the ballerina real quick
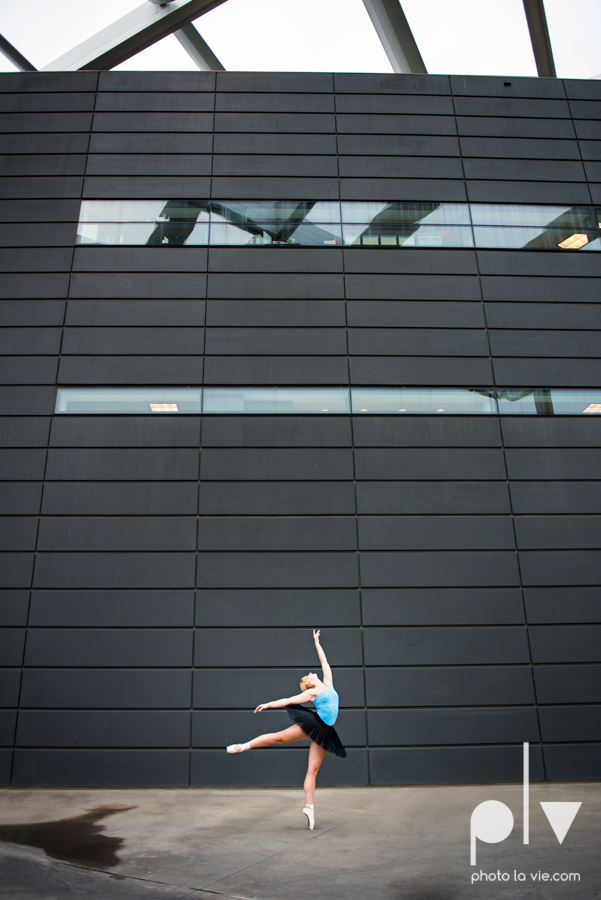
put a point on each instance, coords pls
(316, 724)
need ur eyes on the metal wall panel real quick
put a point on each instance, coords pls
(143, 555)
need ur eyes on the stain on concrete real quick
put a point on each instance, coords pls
(425, 892)
(78, 839)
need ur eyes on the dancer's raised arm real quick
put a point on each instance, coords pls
(286, 701)
(325, 666)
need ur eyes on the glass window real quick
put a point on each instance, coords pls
(114, 233)
(324, 211)
(222, 233)
(242, 212)
(304, 223)
(149, 233)
(177, 232)
(435, 236)
(308, 223)
(447, 214)
(542, 216)
(355, 211)
(145, 401)
(533, 402)
(304, 235)
(276, 212)
(316, 235)
(152, 222)
(143, 210)
(276, 400)
(334, 401)
(406, 213)
(535, 239)
(121, 210)
(389, 235)
(199, 236)
(423, 400)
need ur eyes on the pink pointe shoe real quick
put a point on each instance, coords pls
(310, 814)
(238, 748)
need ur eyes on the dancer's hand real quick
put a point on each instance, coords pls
(316, 636)
(261, 707)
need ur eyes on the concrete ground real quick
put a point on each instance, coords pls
(381, 843)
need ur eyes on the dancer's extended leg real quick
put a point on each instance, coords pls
(294, 733)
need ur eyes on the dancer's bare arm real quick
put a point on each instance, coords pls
(286, 701)
(325, 666)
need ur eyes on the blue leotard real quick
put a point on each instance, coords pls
(326, 705)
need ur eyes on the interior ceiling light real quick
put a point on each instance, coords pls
(440, 410)
(574, 241)
(164, 407)
(593, 408)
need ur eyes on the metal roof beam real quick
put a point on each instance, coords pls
(393, 29)
(16, 58)
(198, 49)
(539, 37)
(136, 31)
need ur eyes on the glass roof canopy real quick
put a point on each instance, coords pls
(461, 36)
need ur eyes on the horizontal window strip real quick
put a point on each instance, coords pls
(307, 223)
(327, 401)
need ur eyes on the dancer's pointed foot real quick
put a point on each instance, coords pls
(238, 748)
(309, 811)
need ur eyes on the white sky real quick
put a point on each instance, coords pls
(469, 37)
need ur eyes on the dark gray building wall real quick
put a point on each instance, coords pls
(160, 577)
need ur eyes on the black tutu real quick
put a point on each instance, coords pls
(316, 729)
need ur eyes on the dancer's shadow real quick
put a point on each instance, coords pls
(78, 839)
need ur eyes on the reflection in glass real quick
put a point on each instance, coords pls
(388, 235)
(114, 233)
(141, 210)
(304, 235)
(128, 233)
(222, 233)
(579, 240)
(406, 213)
(276, 400)
(542, 216)
(275, 222)
(333, 401)
(199, 236)
(276, 213)
(178, 221)
(535, 239)
(171, 222)
(549, 401)
(121, 210)
(308, 223)
(144, 401)
(423, 400)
